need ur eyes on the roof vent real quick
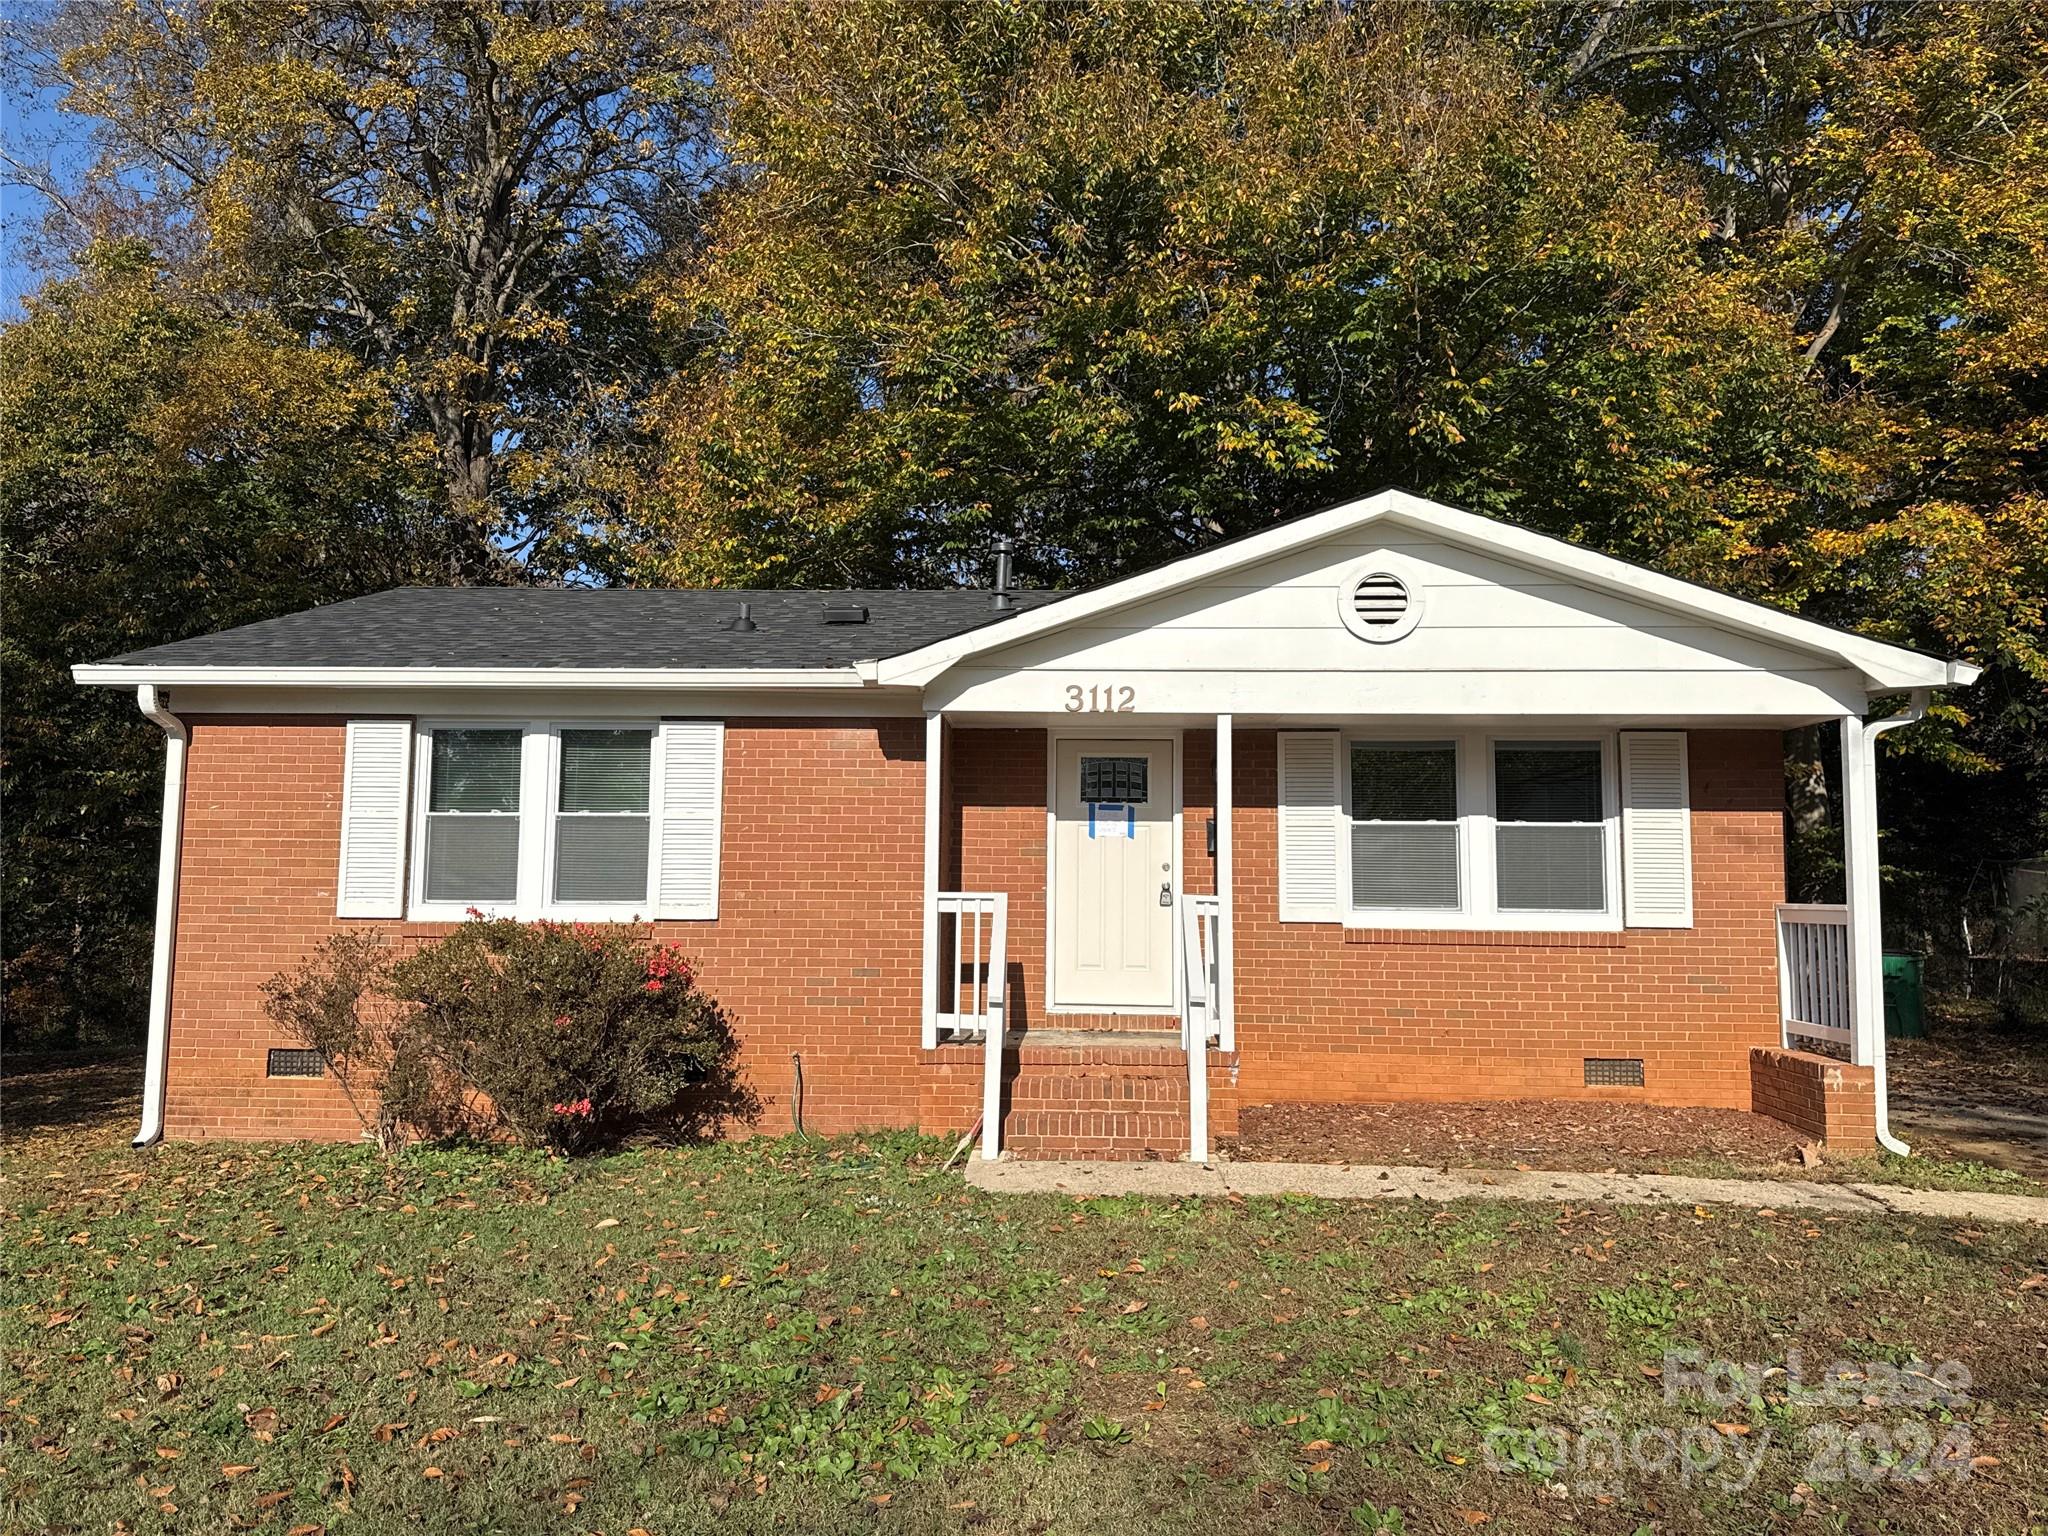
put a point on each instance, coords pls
(1380, 601)
(743, 620)
(1003, 601)
(1378, 605)
(846, 613)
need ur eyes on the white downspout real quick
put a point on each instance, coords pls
(154, 703)
(1866, 931)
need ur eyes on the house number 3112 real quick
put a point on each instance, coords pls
(1108, 698)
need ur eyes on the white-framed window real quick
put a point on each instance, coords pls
(597, 820)
(472, 799)
(1551, 826)
(1470, 829)
(601, 849)
(1406, 840)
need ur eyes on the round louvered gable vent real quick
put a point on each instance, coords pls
(1380, 606)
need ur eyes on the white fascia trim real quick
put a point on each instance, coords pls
(1885, 668)
(921, 666)
(690, 679)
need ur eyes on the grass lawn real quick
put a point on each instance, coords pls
(775, 1336)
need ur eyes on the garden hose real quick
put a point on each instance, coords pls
(796, 1094)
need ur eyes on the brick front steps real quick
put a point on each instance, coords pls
(1105, 1095)
(1081, 1095)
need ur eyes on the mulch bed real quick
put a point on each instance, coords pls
(1568, 1134)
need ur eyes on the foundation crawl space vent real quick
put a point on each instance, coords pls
(296, 1064)
(1614, 1071)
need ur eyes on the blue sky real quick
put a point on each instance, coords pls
(34, 131)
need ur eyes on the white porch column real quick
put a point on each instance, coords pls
(928, 989)
(1226, 891)
(1859, 862)
(1866, 923)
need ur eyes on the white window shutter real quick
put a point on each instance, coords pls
(1310, 845)
(374, 778)
(1656, 830)
(692, 760)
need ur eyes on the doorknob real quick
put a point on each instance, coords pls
(1166, 893)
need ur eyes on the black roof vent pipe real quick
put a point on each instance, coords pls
(1003, 601)
(744, 619)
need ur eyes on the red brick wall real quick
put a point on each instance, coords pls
(1325, 1015)
(1829, 1100)
(816, 947)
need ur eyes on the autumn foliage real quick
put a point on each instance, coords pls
(773, 292)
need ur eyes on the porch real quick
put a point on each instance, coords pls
(1752, 1005)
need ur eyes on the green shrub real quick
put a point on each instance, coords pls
(560, 1035)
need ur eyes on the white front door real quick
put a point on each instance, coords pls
(1113, 884)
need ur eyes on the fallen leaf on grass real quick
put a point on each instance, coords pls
(168, 1453)
(1474, 1516)
(233, 1472)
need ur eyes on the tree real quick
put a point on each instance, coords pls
(1880, 172)
(1127, 278)
(458, 195)
(163, 472)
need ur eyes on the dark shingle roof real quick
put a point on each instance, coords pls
(584, 627)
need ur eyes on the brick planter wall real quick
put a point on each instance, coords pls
(1829, 1100)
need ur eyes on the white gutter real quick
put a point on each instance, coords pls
(155, 704)
(126, 674)
(1866, 926)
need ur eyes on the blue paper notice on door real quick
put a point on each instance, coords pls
(1109, 810)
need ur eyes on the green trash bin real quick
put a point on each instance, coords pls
(1905, 1011)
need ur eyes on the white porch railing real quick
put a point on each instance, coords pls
(1201, 1023)
(973, 989)
(1813, 972)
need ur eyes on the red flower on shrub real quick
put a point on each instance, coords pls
(563, 1021)
(654, 984)
(579, 1108)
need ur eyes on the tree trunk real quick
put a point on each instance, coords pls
(1810, 868)
(1806, 781)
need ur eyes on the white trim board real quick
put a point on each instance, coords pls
(667, 679)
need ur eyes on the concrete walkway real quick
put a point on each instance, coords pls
(1359, 1182)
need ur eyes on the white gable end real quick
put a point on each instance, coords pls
(1491, 638)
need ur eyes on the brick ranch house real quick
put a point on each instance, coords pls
(1387, 802)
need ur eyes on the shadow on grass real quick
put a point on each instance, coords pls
(93, 1095)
